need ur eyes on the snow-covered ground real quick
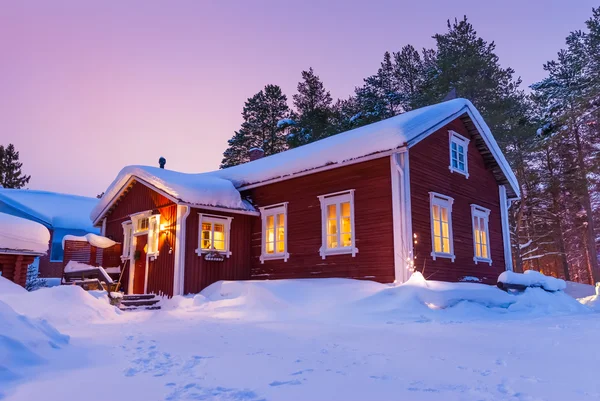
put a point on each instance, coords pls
(328, 339)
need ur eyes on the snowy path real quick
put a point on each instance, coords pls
(182, 355)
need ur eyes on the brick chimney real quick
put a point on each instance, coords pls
(256, 153)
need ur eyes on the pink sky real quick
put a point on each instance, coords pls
(86, 89)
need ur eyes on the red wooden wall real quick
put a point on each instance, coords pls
(371, 181)
(49, 269)
(429, 161)
(200, 273)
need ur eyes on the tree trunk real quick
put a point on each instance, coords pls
(590, 237)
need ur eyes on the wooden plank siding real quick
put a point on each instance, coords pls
(371, 181)
(48, 269)
(14, 267)
(429, 162)
(140, 198)
(200, 273)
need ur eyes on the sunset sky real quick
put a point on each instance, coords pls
(86, 89)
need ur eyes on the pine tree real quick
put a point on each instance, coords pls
(313, 109)
(260, 129)
(11, 175)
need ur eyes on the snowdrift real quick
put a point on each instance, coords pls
(66, 305)
(24, 342)
(354, 300)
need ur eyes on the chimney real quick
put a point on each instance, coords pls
(161, 162)
(256, 153)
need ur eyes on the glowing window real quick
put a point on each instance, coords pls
(338, 223)
(214, 234)
(274, 229)
(481, 234)
(441, 226)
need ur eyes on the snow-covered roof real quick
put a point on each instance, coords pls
(18, 234)
(94, 240)
(219, 188)
(204, 189)
(52, 209)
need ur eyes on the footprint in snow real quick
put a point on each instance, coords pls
(285, 383)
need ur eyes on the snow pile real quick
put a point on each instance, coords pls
(56, 210)
(24, 342)
(532, 278)
(21, 234)
(74, 266)
(593, 301)
(93, 239)
(202, 189)
(579, 290)
(65, 305)
(354, 300)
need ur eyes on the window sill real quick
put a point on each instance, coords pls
(482, 260)
(338, 251)
(436, 255)
(201, 252)
(455, 170)
(278, 256)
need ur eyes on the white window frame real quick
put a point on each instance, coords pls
(441, 201)
(214, 219)
(337, 198)
(127, 239)
(459, 140)
(152, 231)
(265, 212)
(481, 212)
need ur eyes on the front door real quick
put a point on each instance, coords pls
(139, 275)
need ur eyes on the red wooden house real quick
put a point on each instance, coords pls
(426, 190)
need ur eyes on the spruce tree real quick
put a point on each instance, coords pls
(313, 109)
(11, 175)
(260, 128)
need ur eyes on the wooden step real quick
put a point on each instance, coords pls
(132, 308)
(135, 297)
(139, 302)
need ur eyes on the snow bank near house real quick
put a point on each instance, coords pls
(532, 278)
(579, 290)
(9, 288)
(65, 305)
(354, 300)
(20, 234)
(201, 189)
(93, 239)
(57, 210)
(593, 301)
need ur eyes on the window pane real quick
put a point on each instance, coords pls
(346, 225)
(331, 211)
(436, 212)
(346, 209)
(205, 244)
(280, 247)
(461, 149)
(444, 214)
(280, 220)
(461, 166)
(346, 239)
(484, 252)
(331, 226)
(270, 221)
(445, 232)
(461, 157)
(454, 163)
(206, 226)
(219, 245)
(270, 235)
(219, 234)
(270, 247)
(476, 223)
(437, 244)
(436, 228)
(332, 241)
(446, 243)
(454, 147)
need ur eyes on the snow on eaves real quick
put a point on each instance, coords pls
(392, 133)
(219, 188)
(18, 234)
(204, 189)
(52, 209)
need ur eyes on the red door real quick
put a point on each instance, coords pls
(139, 275)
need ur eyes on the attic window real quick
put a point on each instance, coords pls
(458, 154)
